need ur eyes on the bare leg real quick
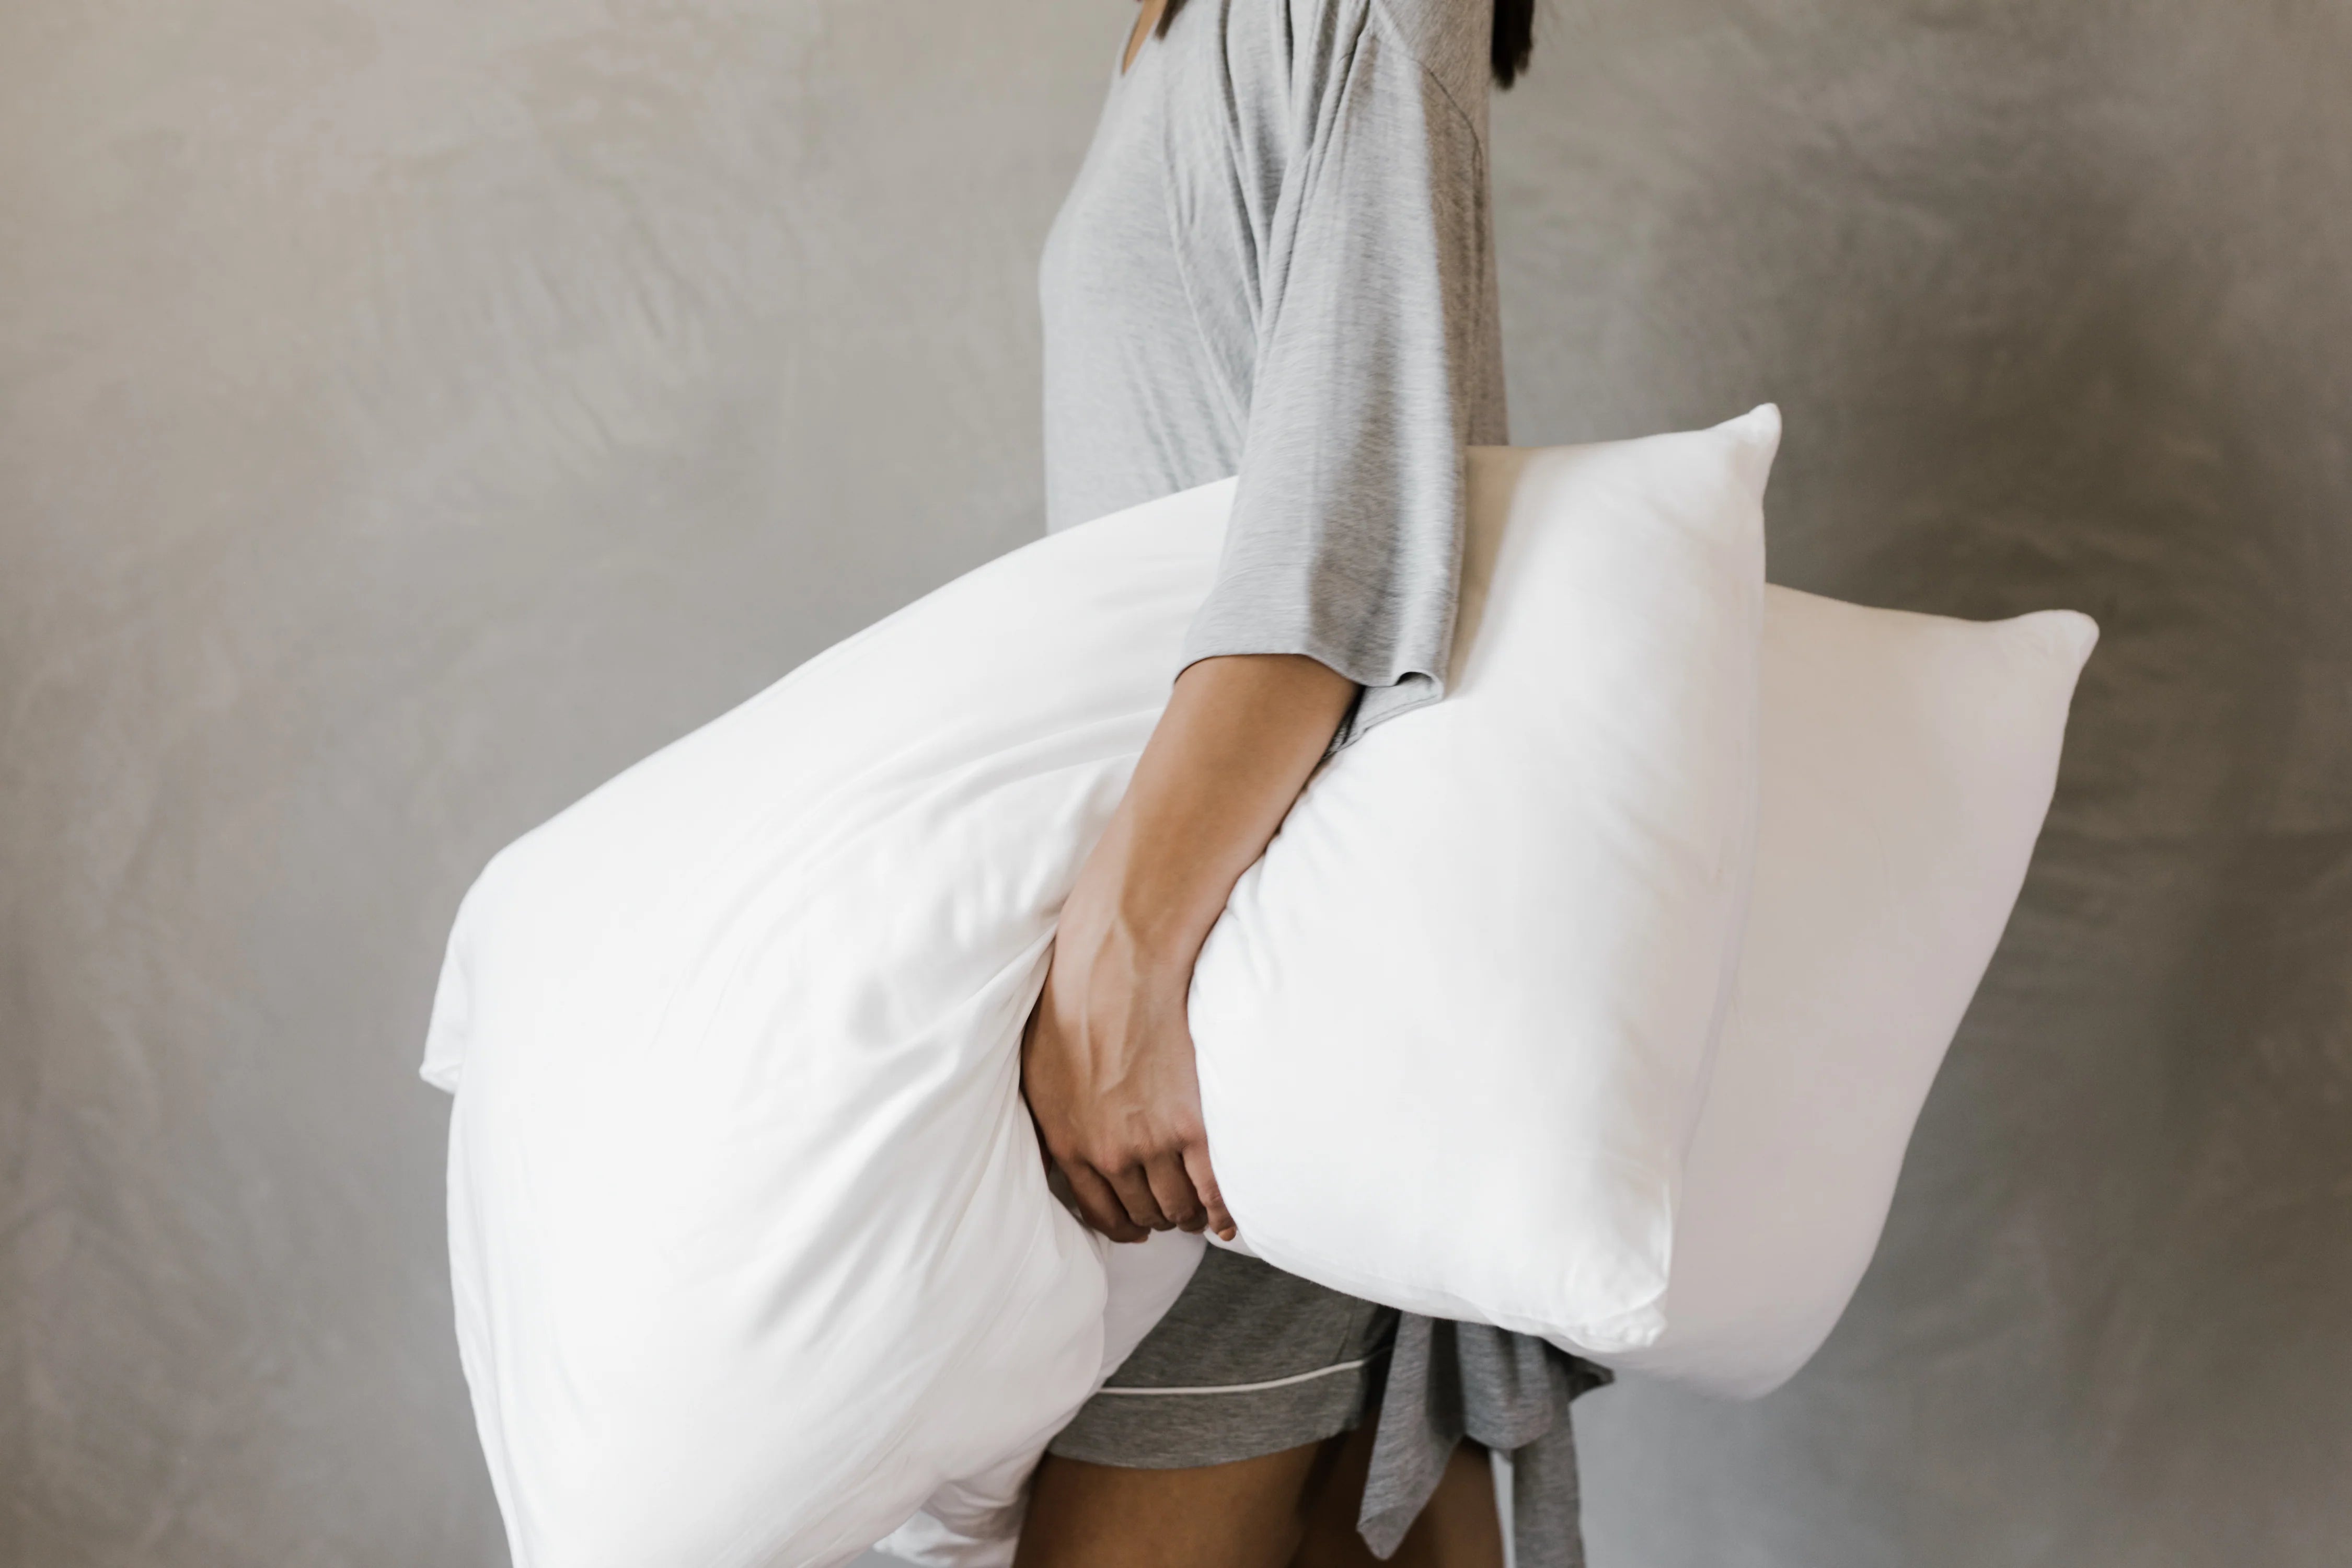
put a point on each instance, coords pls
(1295, 1508)
(1247, 1514)
(1458, 1528)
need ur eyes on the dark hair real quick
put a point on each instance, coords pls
(1513, 40)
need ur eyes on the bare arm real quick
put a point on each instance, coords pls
(1107, 1063)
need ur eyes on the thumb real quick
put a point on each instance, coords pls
(1204, 1183)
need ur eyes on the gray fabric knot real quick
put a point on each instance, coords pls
(1449, 1380)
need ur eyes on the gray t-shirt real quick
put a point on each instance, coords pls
(1278, 260)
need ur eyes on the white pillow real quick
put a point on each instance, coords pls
(751, 1248)
(750, 1243)
(1907, 763)
(1453, 1028)
(974, 1521)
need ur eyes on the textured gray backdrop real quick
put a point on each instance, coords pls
(411, 411)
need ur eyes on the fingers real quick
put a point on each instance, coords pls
(1162, 1193)
(1057, 1182)
(1134, 1190)
(1099, 1204)
(1204, 1183)
(1175, 1191)
(1171, 1187)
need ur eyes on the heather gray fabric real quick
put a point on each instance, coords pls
(1249, 1361)
(1277, 259)
(1509, 1392)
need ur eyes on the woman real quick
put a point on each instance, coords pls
(1276, 260)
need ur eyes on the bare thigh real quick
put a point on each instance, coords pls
(1247, 1514)
(1295, 1508)
(1458, 1527)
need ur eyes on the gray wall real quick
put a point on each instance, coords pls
(411, 413)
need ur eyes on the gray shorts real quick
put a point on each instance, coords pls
(1250, 1361)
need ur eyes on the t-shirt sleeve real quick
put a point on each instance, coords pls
(1345, 540)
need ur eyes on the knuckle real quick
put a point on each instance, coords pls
(1090, 1148)
(1107, 1156)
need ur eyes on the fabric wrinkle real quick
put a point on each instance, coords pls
(1278, 261)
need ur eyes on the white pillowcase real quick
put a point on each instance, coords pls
(750, 1242)
(1142, 1280)
(1453, 1028)
(1907, 763)
(752, 1246)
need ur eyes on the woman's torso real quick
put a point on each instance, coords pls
(1158, 265)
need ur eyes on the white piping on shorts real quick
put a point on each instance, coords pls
(1252, 1388)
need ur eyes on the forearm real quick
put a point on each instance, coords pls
(1238, 738)
(1107, 1060)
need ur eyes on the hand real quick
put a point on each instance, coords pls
(1107, 1063)
(1107, 1060)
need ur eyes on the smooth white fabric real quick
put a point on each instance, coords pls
(974, 1521)
(1907, 763)
(751, 1248)
(1453, 1027)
